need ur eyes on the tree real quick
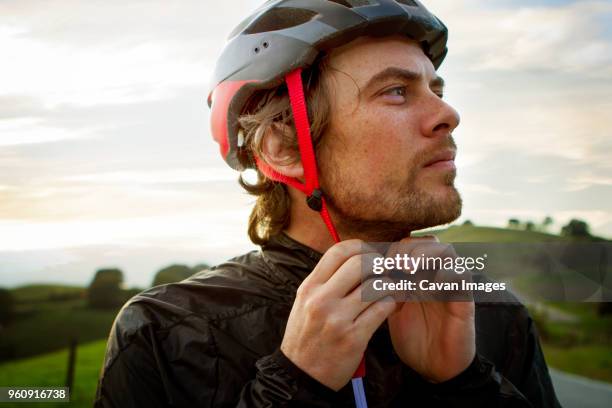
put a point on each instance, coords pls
(7, 306)
(172, 273)
(576, 228)
(529, 226)
(513, 223)
(105, 290)
(548, 221)
(468, 223)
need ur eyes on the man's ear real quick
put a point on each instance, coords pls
(280, 157)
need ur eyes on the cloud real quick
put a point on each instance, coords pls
(582, 182)
(31, 131)
(218, 229)
(89, 53)
(185, 24)
(92, 76)
(566, 128)
(556, 37)
(483, 189)
(57, 202)
(20, 106)
(187, 175)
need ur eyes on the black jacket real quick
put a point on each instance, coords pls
(213, 341)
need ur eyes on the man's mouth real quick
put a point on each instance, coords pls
(442, 160)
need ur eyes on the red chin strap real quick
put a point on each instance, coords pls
(310, 187)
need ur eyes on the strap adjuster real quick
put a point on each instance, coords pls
(315, 200)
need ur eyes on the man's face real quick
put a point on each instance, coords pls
(387, 160)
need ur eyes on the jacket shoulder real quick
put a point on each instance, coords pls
(227, 290)
(506, 335)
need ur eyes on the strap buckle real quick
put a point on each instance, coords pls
(315, 200)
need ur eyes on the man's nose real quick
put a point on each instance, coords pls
(443, 119)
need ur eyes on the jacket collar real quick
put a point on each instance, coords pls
(289, 259)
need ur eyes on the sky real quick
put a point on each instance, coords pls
(106, 158)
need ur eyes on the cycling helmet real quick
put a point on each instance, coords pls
(284, 35)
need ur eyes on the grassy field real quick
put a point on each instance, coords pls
(54, 313)
(592, 361)
(470, 233)
(50, 370)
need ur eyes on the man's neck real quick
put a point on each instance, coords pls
(310, 230)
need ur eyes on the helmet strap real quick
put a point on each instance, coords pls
(310, 187)
(314, 195)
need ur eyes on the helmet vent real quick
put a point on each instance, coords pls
(279, 19)
(355, 3)
(408, 2)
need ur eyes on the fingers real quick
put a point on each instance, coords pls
(349, 275)
(355, 300)
(335, 257)
(374, 315)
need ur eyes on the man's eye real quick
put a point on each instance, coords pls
(439, 91)
(397, 91)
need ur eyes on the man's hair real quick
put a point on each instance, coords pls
(270, 110)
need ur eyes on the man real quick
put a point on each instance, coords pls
(363, 137)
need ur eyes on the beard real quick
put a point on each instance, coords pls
(391, 213)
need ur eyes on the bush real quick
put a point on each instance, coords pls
(172, 273)
(576, 228)
(105, 289)
(7, 306)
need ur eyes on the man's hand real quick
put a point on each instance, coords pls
(436, 339)
(329, 326)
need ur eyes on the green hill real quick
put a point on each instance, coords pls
(470, 233)
(35, 293)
